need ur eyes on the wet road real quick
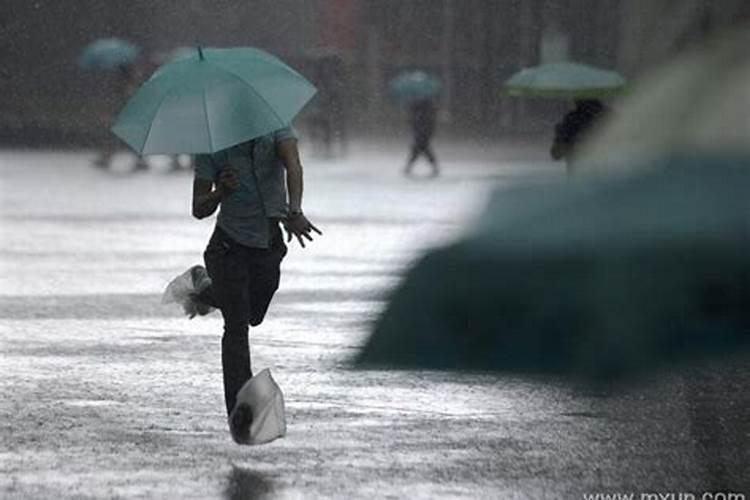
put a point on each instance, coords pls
(106, 393)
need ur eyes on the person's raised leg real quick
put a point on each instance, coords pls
(264, 276)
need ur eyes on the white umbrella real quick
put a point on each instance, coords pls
(565, 80)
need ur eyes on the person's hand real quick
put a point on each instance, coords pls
(228, 181)
(297, 225)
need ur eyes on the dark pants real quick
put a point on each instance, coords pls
(244, 281)
(421, 146)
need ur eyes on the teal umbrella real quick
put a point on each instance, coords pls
(108, 53)
(597, 279)
(567, 80)
(210, 101)
(414, 86)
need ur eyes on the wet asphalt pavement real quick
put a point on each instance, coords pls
(107, 393)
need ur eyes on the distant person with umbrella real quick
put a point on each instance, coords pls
(120, 59)
(419, 90)
(226, 107)
(585, 85)
(423, 118)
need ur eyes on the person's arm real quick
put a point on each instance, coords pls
(296, 224)
(289, 154)
(206, 199)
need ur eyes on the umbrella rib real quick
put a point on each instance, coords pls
(208, 124)
(153, 118)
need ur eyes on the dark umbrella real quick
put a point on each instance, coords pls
(598, 279)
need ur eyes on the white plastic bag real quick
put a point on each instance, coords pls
(182, 290)
(263, 395)
(179, 289)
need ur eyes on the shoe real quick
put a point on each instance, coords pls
(101, 162)
(140, 165)
(240, 421)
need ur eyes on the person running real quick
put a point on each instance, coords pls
(423, 118)
(243, 255)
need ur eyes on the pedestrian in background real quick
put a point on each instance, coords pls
(329, 120)
(125, 80)
(573, 127)
(423, 120)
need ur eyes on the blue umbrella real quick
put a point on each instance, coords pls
(414, 86)
(108, 53)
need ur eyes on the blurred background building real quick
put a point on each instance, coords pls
(473, 45)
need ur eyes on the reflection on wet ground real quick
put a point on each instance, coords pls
(246, 484)
(105, 392)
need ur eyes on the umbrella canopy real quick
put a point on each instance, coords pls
(592, 278)
(699, 102)
(210, 101)
(566, 80)
(108, 53)
(414, 86)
